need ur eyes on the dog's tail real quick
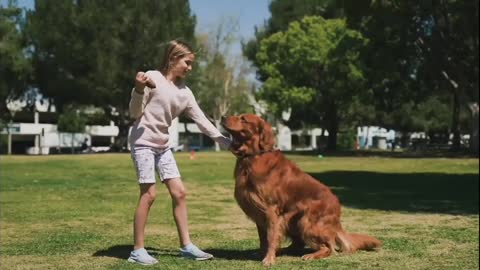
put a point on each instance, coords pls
(351, 242)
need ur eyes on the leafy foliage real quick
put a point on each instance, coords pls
(314, 68)
(418, 51)
(221, 85)
(88, 52)
(14, 64)
(71, 121)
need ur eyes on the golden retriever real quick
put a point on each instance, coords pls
(284, 201)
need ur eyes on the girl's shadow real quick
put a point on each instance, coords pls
(123, 252)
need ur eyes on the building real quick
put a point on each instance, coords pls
(375, 137)
(41, 136)
(36, 132)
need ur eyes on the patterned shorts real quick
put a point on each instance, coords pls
(147, 160)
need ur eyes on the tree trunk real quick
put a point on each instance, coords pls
(332, 127)
(217, 145)
(121, 141)
(474, 129)
(73, 148)
(187, 137)
(404, 139)
(456, 121)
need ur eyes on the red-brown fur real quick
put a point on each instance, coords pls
(283, 200)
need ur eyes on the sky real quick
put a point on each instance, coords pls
(249, 13)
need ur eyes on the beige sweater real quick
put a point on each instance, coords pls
(156, 108)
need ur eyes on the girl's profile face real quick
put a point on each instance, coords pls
(183, 66)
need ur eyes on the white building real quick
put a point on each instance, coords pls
(375, 137)
(36, 132)
(43, 138)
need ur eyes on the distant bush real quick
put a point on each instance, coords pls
(346, 140)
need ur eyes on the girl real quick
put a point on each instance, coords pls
(159, 97)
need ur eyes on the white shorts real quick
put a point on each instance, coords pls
(147, 160)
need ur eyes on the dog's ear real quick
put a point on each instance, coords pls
(267, 137)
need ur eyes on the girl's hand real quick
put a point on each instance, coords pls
(225, 141)
(142, 80)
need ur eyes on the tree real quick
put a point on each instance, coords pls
(286, 11)
(437, 43)
(448, 39)
(15, 67)
(283, 13)
(88, 51)
(418, 51)
(314, 68)
(72, 122)
(222, 87)
(389, 58)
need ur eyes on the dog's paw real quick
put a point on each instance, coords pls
(308, 257)
(268, 260)
(320, 254)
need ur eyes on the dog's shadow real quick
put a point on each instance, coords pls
(254, 254)
(123, 252)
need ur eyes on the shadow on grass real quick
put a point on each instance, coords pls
(123, 252)
(411, 192)
(460, 154)
(233, 254)
(255, 254)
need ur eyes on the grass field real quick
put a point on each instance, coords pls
(75, 212)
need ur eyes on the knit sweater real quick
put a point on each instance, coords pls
(157, 107)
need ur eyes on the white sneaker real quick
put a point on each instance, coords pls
(193, 252)
(142, 257)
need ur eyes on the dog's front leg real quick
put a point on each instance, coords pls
(262, 236)
(274, 235)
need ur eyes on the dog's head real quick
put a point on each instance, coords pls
(251, 134)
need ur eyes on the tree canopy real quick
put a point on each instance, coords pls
(88, 52)
(422, 57)
(314, 68)
(14, 63)
(404, 65)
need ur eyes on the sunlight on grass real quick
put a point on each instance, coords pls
(75, 212)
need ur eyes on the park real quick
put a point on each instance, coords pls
(75, 212)
(377, 100)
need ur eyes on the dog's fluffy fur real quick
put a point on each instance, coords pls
(283, 200)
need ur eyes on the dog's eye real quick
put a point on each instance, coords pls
(243, 119)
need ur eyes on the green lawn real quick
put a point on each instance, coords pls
(75, 212)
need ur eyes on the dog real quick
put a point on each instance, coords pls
(284, 201)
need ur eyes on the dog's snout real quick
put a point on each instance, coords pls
(223, 120)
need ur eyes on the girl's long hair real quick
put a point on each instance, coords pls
(174, 51)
